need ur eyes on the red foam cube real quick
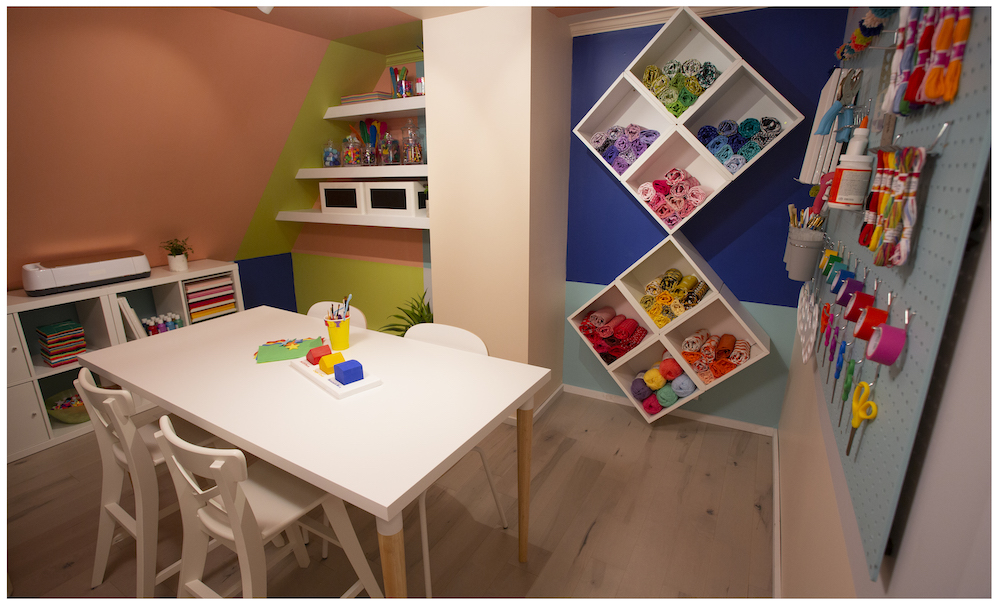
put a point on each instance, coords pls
(315, 354)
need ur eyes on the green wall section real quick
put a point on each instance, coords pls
(344, 70)
(378, 288)
(753, 396)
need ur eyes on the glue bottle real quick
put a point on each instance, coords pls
(853, 175)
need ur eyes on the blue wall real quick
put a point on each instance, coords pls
(268, 281)
(741, 234)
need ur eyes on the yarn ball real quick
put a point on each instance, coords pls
(666, 396)
(653, 379)
(639, 389)
(670, 369)
(683, 386)
(652, 405)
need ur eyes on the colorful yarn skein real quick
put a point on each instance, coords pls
(621, 147)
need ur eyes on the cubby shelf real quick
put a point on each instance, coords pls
(737, 93)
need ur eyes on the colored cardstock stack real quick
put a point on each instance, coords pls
(210, 297)
(60, 343)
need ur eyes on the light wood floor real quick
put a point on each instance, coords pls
(619, 508)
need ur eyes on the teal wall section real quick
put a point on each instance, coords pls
(754, 395)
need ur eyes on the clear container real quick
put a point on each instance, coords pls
(413, 150)
(388, 150)
(351, 151)
(369, 158)
(331, 157)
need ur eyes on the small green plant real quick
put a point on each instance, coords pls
(177, 247)
(416, 310)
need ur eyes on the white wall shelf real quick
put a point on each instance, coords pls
(404, 107)
(315, 216)
(353, 173)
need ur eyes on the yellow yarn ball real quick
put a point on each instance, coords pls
(653, 379)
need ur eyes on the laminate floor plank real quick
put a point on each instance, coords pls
(619, 508)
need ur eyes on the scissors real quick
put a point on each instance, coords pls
(863, 409)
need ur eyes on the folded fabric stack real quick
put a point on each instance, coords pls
(670, 294)
(611, 335)
(734, 144)
(712, 356)
(677, 85)
(621, 146)
(661, 385)
(674, 197)
(60, 343)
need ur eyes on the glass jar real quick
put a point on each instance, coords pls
(368, 155)
(413, 151)
(388, 150)
(331, 158)
(351, 151)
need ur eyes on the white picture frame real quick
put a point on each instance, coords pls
(342, 197)
(396, 198)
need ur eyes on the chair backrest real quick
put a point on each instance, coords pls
(447, 335)
(220, 510)
(118, 438)
(321, 309)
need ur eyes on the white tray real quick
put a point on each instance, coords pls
(330, 384)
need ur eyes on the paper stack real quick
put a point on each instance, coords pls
(60, 343)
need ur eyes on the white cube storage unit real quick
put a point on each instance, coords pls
(738, 93)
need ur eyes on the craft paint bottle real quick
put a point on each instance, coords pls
(849, 189)
(160, 325)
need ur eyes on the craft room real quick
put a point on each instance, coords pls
(704, 289)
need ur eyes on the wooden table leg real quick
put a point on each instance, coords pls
(524, 422)
(393, 554)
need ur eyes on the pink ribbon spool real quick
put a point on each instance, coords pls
(869, 319)
(886, 344)
(847, 290)
(858, 302)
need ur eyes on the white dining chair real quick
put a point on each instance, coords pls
(127, 448)
(452, 337)
(321, 309)
(246, 507)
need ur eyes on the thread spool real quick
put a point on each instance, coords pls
(868, 320)
(886, 344)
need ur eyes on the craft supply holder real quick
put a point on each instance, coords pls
(957, 137)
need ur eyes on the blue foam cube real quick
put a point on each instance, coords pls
(348, 372)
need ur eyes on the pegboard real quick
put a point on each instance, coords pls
(949, 190)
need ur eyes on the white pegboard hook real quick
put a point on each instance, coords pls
(944, 127)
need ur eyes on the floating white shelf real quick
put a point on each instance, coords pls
(388, 108)
(315, 216)
(364, 173)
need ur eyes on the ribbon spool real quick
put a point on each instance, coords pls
(887, 342)
(842, 276)
(826, 257)
(847, 289)
(859, 302)
(868, 320)
(833, 259)
(835, 268)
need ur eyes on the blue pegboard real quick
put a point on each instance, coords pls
(949, 190)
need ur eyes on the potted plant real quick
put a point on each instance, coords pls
(177, 251)
(416, 310)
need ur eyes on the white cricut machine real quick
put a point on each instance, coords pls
(44, 278)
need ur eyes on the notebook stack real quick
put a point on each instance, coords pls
(60, 343)
(211, 297)
(376, 96)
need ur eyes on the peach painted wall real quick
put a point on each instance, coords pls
(130, 126)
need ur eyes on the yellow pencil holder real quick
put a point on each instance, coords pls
(339, 330)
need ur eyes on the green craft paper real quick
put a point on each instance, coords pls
(279, 352)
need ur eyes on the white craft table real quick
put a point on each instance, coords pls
(378, 450)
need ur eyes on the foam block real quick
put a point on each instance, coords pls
(348, 372)
(317, 353)
(328, 364)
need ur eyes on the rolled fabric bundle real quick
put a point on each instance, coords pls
(724, 154)
(650, 74)
(677, 82)
(741, 352)
(717, 144)
(622, 143)
(721, 367)
(617, 351)
(676, 108)
(668, 95)
(671, 68)
(696, 195)
(635, 338)
(647, 301)
(601, 346)
(681, 289)
(615, 132)
(687, 209)
(691, 67)
(598, 138)
(638, 147)
(749, 127)
(608, 358)
(683, 386)
(672, 220)
(608, 329)
(749, 150)
(708, 74)
(658, 202)
(691, 356)
(666, 396)
(628, 155)
(735, 162)
(707, 134)
(653, 287)
(679, 189)
(695, 341)
(727, 127)
(604, 146)
(624, 329)
(677, 307)
(694, 86)
(695, 295)
(663, 212)
(770, 125)
(686, 98)
(646, 191)
(700, 365)
(653, 379)
(707, 377)
(658, 85)
(675, 202)
(675, 176)
(725, 347)
(670, 369)
(708, 348)
(648, 136)
(762, 139)
(601, 316)
(670, 278)
(651, 405)
(639, 389)
(632, 131)
(610, 154)
(610, 340)
(667, 312)
(594, 338)
(736, 141)
(620, 165)
(661, 186)
(692, 181)
(664, 298)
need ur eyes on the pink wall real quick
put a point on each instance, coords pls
(130, 126)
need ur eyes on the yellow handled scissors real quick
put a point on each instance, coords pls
(862, 408)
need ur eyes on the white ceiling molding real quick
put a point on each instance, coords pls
(615, 19)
